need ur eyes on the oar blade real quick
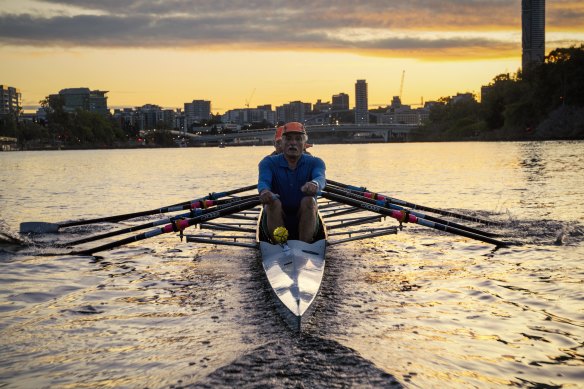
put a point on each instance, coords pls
(39, 227)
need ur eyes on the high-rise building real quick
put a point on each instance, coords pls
(340, 101)
(81, 98)
(197, 111)
(533, 32)
(10, 100)
(294, 111)
(361, 103)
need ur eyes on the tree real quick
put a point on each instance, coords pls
(8, 125)
(513, 103)
(30, 132)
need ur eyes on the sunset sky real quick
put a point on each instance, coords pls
(266, 51)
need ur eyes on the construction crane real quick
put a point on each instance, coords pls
(249, 98)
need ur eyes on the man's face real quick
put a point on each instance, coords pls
(293, 144)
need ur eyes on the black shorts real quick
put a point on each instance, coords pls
(291, 221)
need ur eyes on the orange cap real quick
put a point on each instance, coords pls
(278, 134)
(294, 127)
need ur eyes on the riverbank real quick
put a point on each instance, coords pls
(565, 123)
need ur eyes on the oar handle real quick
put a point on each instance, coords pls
(214, 196)
(346, 186)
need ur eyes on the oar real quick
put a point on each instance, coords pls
(386, 204)
(377, 196)
(218, 204)
(407, 217)
(45, 227)
(175, 226)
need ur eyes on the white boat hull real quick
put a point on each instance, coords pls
(294, 272)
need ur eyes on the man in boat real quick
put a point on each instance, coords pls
(278, 142)
(288, 184)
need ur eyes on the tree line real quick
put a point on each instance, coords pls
(543, 102)
(61, 128)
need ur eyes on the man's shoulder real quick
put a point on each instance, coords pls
(312, 159)
(272, 159)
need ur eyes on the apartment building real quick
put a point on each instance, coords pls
(10, 100)
(84, 99)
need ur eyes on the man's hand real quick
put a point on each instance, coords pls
(310, 188)
(267, 197)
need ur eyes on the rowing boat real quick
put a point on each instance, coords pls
(294, 271)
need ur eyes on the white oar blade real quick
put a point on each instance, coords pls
(39, 227)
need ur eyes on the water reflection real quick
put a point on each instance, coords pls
(534, 162)
(421, 308)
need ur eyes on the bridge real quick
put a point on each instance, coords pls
(326, 133)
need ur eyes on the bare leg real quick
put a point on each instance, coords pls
(275, 216)
(307, 218)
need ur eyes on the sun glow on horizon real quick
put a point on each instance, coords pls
(170, 53)
(172, 78)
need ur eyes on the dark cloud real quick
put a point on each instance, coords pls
(273, 24)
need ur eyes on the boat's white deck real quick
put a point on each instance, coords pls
(294, 272)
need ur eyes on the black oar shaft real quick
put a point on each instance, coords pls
(404, 203)
(180, 225)
(170, 208)
(384, 203)
(411, 218)
(195, 212)
(116, 232)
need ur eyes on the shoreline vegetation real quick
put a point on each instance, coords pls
(544, 102)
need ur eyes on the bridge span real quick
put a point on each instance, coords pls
(322, 134)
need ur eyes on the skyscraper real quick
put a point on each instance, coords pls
(361, 103)
(533, 32)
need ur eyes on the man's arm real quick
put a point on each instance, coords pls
(265, 181)
(319, 173)
(317, 178)
(264, 176)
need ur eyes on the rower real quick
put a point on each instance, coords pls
(288, 184)
(278, 142)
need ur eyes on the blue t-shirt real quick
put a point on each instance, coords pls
(277, 177)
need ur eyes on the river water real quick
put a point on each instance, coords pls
(419, 309)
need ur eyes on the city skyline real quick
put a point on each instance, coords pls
(222, 51)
